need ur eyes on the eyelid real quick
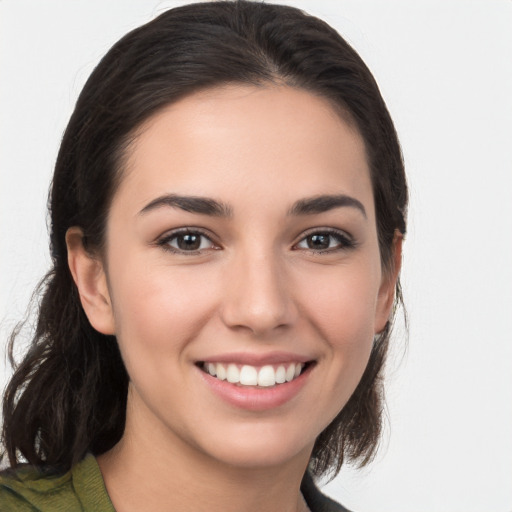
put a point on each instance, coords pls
(164, 239)
(347, 240)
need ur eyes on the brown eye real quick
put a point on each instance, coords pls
(187, 242)
(326, 241)
(319, 241)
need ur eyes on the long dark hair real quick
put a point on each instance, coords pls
(68, 395)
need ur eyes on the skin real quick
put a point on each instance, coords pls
(255, 287)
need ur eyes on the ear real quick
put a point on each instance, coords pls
(91, 281)
(386, 296)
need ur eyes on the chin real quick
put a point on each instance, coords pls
(256, 456)
(259, 445)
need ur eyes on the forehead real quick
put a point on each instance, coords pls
(227, 140)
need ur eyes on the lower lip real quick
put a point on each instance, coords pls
(256, 398)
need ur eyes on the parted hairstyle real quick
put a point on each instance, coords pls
(68, 395)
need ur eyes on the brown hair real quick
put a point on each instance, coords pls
(68, 395)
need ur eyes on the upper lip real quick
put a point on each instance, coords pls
(254, 359)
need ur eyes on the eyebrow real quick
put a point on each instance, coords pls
(212, 207)
(324, 203)
(193, 204)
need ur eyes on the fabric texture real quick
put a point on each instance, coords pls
(78, 490)
(82, 490)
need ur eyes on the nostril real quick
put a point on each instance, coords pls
(258, 320)
(256, 296)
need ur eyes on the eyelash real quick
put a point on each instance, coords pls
(343, 241)
(165, 241)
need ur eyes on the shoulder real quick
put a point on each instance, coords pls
(318, 502)
(31, 489)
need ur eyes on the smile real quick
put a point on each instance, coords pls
(247, 375)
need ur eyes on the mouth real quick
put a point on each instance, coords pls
(266, 376)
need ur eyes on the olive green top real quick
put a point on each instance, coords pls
(81, 489)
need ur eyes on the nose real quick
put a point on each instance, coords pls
(257, 295)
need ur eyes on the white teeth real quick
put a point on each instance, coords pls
(233, 374)
(290, 373)
(266, 376)
(248, 375)
(221, 371)
(280, 375)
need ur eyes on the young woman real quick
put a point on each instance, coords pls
(227, 214)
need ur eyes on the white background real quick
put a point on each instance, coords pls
(445, 70)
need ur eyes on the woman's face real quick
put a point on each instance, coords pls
(242, 242)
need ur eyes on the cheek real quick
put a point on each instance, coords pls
(158, 308)
(343, 311)
(345, 305)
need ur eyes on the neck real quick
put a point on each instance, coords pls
(164, 471)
